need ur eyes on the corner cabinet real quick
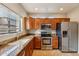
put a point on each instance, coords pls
(27, 50)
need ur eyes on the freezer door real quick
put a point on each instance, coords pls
(73, 36)
(64, 34)
(64, 26)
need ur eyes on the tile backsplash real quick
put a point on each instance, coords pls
(39, 31)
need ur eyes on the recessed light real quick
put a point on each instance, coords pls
(36, 8)
(61, 9)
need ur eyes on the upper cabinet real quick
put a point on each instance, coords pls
(46, 21)
(65, 20)
(53, 23)
(39, 21)
(24, 20)
(31, 23)
(35, 23)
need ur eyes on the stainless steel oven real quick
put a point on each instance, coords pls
(46, 42)
(46, 36)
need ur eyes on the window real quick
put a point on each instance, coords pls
(4, 25)
(7, 25)
(10, 22)
(18, 24)
(12, 26)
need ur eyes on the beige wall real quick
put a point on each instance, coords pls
(16, 8)
(74, 16)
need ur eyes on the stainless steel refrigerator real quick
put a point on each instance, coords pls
(69, 33)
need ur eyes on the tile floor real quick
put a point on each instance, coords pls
(52, 53)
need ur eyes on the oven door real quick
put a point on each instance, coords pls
(46, 41)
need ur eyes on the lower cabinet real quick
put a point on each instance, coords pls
(37, 43)
(55, 42)
(28, 50)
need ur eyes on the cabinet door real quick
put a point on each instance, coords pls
(37, 43)
(65, 19)
(31, 23)
(53, 22)
(29, 49)
(58, 20)
(46, 20)
(55, 42)
(37, 23)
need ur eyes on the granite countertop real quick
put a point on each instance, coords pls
(13, 48)
(5, 38)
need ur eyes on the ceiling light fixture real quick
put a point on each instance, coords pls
(61, 9)
(36, 8)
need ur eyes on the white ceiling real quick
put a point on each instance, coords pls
(49, 7)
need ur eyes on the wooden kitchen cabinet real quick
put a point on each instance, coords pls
(28, 49)
(59, 20)
(37, 43)
(47, 21)
(55, 42)
(53, 23)
(31, 23)
(65, 20)
(31, 48)
(37, 23)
